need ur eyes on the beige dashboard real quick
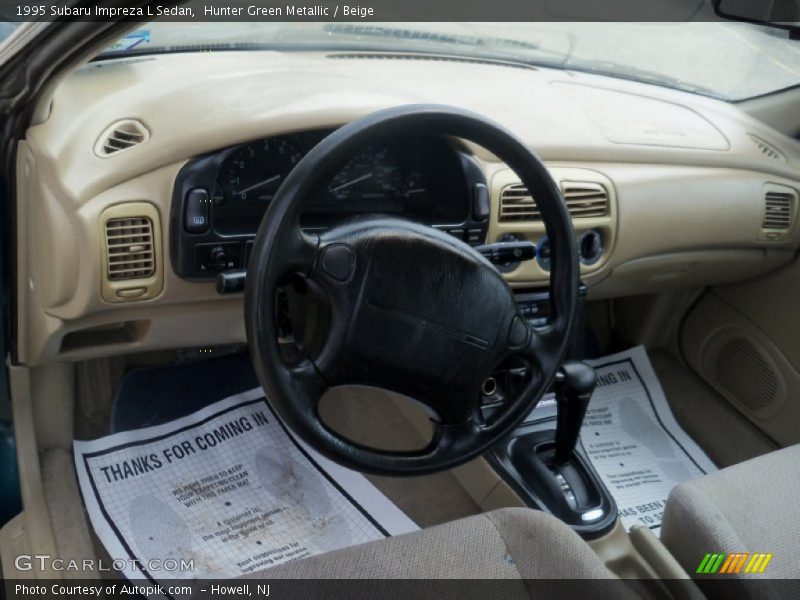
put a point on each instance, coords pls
(685, 179)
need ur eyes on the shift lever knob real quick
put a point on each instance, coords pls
(575, 383)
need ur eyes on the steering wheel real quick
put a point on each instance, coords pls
(412, 309)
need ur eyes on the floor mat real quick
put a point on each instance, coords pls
(634, 441)
(222, 492)
(153, 395)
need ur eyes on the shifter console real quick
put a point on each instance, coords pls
(571, 490)
(548, 468)
(543, 459)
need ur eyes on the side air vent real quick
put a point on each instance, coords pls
(121, 136)
(132, 258)
(129, 244)
(584, 200)
(767, 149)
(778, 210)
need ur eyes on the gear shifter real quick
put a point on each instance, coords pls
(549, 469)
(575, 383)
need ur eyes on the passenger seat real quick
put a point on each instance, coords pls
(750, 509)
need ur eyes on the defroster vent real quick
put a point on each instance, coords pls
(121, 136)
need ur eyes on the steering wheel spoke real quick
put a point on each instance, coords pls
(309, 384)
(542, 349)
(300, 252)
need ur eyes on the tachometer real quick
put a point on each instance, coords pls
(253, 173)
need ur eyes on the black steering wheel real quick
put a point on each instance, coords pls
(412, 309)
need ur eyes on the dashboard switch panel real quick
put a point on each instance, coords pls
(196, 211)
(214, 258)
(457, 233)
(476, 237)
(481, 206)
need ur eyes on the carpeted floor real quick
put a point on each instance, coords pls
(724, 433)
(151, 395)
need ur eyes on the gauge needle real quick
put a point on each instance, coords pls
(351, 182)
(258, 185)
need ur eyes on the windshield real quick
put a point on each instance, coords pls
(6, 29)
(727, 60)
(732, 61)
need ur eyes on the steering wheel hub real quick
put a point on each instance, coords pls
(421, 314)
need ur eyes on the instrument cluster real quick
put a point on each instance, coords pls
(220, 199)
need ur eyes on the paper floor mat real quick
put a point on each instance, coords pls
(633, 440)
(223, 492)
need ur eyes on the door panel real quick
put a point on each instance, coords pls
(744, 341)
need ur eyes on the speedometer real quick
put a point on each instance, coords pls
(254, 172)
(371, 174)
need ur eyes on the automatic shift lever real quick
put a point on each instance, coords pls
(553, 473)
(575, 383)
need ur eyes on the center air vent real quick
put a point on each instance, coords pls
(583, 199)
(121, 136)
(516, 204)
(132, 261)
(129, 246)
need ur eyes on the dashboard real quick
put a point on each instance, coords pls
(220, 198)
(668, 190)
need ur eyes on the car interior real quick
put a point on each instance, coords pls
(408, 251)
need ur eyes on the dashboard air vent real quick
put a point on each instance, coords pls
(516, 204)
(129, 248)
(121, 136)
(584, 200)
(778, 210)
(131, 255)
(767, 149)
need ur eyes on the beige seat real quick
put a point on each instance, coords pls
(523, 547)
(752, 507)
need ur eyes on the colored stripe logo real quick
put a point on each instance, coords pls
(734, 563)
